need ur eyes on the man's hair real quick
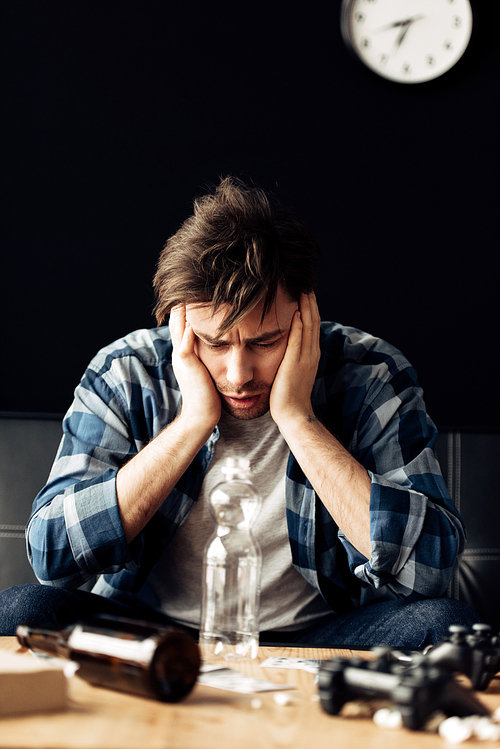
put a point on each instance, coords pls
(237, 248)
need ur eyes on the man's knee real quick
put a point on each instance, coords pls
(37, 605)
(416, 624)
(432, 618)
(18, 604)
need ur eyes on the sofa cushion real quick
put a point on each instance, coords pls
(469, 460)
(28, 444)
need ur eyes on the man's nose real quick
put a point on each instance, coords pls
(239, 367)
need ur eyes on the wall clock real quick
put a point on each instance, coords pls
(408, 41)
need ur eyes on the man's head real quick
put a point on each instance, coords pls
(243, 361)
(237, 249)
(238, 266)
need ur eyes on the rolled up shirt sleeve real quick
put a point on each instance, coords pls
(416, 532)
(75, 530)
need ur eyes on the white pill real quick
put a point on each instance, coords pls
(282, 698)
(256, 703)
(70, 668)
(454, 731)
(386, 718)
(485, 730)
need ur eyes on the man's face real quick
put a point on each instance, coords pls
(244, 361)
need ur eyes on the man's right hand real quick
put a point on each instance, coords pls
(144, 482)
(201, 402)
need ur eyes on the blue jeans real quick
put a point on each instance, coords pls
(393, 623)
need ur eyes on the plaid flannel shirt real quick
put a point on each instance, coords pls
(366, 393)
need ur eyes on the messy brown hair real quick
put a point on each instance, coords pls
(237, 248)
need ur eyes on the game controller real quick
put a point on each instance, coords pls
(417, 691)
(476, 654)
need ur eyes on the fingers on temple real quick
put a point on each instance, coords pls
(177, 324)
(310, 315)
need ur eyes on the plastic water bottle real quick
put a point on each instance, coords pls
(229, 627)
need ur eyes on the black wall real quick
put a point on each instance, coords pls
(115, 114)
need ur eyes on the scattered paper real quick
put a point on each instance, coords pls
(305, 664)
(231, 680)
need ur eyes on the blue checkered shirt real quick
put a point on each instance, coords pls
(366, 393)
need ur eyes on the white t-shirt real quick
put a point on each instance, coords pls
(288, 601)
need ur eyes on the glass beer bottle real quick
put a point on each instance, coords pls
(123, 654)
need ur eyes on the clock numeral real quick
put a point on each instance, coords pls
(448, 44)
(365, 42)
(431, 60)
(406, 68)
(457, 22)
(384, 59)
(359, 17)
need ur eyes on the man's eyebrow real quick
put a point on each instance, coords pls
(258, 339)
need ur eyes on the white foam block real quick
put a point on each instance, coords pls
(30, 686)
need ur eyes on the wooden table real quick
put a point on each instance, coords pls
(211, 718)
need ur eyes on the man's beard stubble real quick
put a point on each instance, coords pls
(260, 409)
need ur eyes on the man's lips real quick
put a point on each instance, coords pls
(242, 401)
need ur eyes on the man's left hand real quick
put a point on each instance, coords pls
(342, 484)
(291, 391)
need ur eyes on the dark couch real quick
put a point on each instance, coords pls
(28, 443)
(468, 460)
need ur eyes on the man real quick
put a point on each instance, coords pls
(355, 510)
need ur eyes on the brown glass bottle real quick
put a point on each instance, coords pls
(124, 654)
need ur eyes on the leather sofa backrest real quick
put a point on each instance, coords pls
(469, 462)
(28, 444)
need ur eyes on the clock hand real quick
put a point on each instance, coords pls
(404, 30)
(404, 22)
(404, 26)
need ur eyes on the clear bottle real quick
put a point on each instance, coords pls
(123, 654)
(229, 627)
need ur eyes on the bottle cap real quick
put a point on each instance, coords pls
(236, 465)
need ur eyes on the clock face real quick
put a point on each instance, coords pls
(408, 41)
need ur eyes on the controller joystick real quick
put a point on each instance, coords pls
(476, 655)
(416, 692)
